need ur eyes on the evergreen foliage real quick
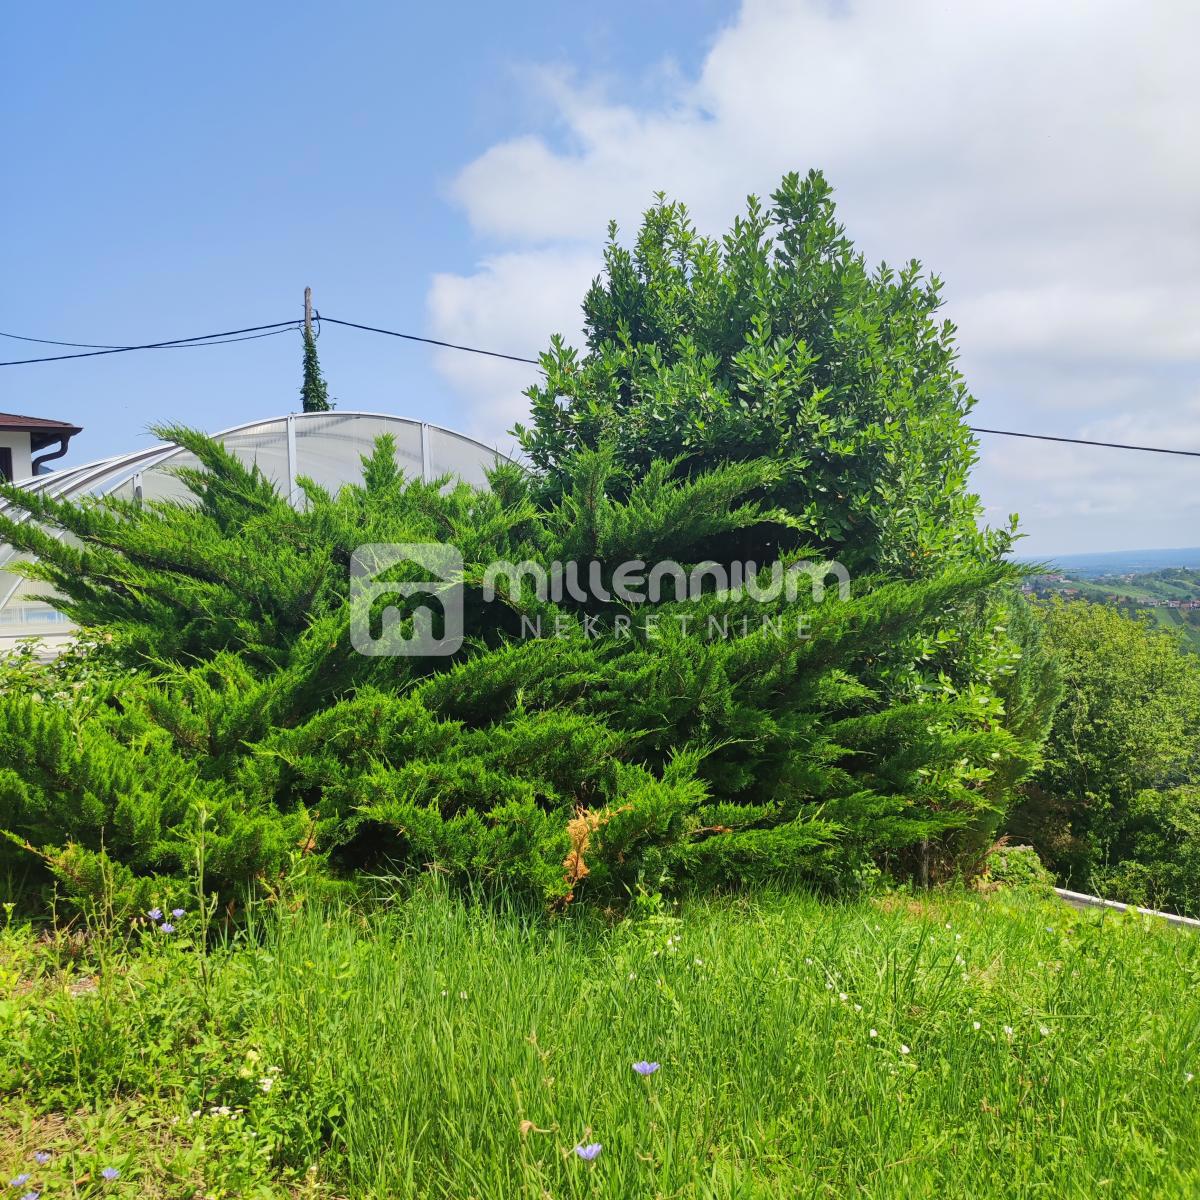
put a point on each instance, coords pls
(234, 711)
(764, 400)
(314, 391)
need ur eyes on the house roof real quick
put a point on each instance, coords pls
(13, 421)
(42, 431)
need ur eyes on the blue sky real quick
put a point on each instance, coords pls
(448, 170)
(175, 170)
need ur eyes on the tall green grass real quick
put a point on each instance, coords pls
(953, 1046)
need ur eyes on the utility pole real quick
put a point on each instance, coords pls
(314, 392)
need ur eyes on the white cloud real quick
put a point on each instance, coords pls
(512, 304)
(1097, 498)
(1038, 156)
(1105, 323)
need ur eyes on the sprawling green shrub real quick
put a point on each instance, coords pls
(242, 720)
(1018, 867)
(761, 401)
(778, 344)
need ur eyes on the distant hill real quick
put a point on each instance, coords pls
(1168, 597)
(1120, 562)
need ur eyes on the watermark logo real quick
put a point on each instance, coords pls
(639, 582)
(424, 580)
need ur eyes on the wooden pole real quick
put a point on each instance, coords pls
(308, 313)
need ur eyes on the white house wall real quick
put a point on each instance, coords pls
(18, 443)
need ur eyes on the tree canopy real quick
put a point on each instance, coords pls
(776, 342)
(1119, 778)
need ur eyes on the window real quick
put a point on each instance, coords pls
(6, 467)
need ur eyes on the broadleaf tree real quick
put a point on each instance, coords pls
(777, 341)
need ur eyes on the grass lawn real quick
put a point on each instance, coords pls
(951, 1046)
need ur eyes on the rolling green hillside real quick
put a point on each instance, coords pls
(1148, 595)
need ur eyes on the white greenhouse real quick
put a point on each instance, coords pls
(325, 447)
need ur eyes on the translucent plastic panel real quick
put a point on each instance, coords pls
(159, 482)
(264, 446)
(94, 479)
(330, 446)
(449, 453)
(22, 615)
(70, 483)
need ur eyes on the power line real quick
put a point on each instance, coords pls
(51, 342)
(1046, 437)
(210, 339)
(257, 331)
(182, 344)
(225, 341)
(412, 337)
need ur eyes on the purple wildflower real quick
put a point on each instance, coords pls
(177, 913)
(20, 1179)
(588, 1152)
(42, 1157)
(167, 927)
(31, 1196)
(155, 914)
(645, 1068)
(111, 1173)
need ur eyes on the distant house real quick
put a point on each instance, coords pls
(28, 442)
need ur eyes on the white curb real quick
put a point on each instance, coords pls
(1082, 900)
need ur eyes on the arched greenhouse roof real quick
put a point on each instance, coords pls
(325, 447)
